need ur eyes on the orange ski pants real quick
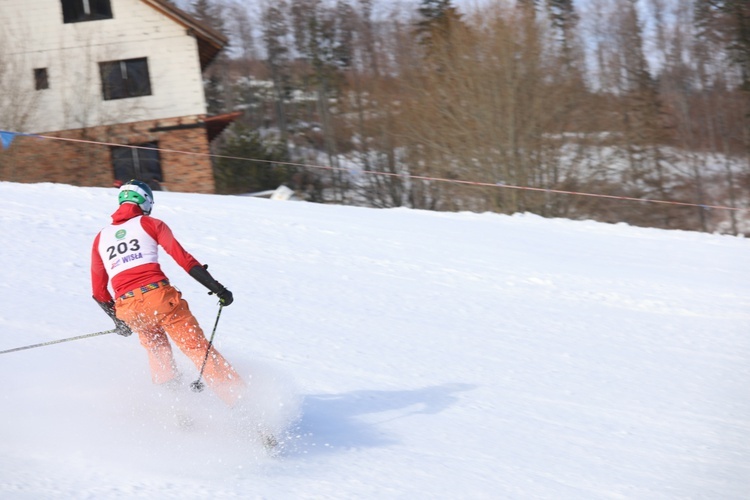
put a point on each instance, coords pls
(163, 312)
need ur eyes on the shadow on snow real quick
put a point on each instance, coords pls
(353, 420)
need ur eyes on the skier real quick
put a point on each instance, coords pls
(126, 252)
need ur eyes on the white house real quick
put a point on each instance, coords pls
(112, 71)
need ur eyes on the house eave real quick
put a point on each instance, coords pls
(216, 124)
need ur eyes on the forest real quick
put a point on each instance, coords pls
(634, 111)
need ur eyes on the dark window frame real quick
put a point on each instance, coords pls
(41, 79)
(125, 78)
(138, 163)
(78, 11)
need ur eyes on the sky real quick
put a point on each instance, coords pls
(396, 353)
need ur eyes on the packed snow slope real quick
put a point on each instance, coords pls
(400, 354)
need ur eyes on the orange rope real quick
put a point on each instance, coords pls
(391, 174)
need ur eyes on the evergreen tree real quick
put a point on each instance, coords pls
(728, 20)
(209, 13)
(438, 19)
(216, 82)
(247, 163)
(323, 37)
(565, 21)
(276, 31)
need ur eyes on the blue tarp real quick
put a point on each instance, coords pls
(7, 138)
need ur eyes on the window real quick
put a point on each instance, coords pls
(76, 11)
(128, 78)
(137, 163)
(41, 80)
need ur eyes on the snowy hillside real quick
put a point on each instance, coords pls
(410, 354)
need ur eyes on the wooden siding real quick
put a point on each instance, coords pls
(37, 38)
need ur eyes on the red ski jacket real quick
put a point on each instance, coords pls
(126, 253)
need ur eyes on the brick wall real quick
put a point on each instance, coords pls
(31, 159)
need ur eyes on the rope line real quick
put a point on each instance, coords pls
(392, 174)
(59, 341)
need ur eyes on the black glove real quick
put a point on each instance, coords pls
(201, 275)
(109, 308)
(122, 328)
(225, 297)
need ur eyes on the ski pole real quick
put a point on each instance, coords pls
(198, 386)
(59, 341)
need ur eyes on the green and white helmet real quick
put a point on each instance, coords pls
(138, 192)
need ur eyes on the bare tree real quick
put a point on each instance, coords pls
(276, 40)
(322, 37)
(217, 86)
(509, 94)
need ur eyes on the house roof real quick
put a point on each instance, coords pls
(210, 41)
(216, 124)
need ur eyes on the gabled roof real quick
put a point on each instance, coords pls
(210, 41)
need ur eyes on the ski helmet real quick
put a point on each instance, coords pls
(138, 192)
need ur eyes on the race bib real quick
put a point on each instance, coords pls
(126, 246)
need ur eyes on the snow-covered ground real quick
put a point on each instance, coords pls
(409, 354)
